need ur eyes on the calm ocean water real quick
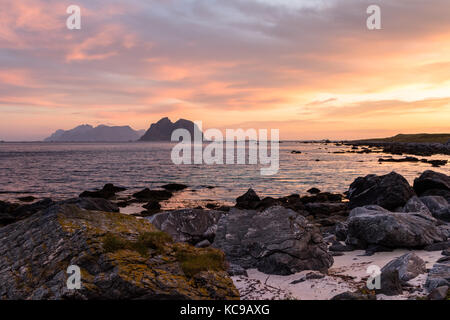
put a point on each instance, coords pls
(62, 170)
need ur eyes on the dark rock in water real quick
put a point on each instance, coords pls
(10, 213)
(438, 206)
(438, 246)
(120, 258)
(313, 191)
(275, 241)
(108, 192)
(389, 191)
(406, 159)
(322, 197)
(27, 199)
(268, 202)
(174, 187)
(437, 163)
(431, 180)
(153, 195)
(438, 276)
(188, 225)
(375, 225)
(296, 152)
(354, 296)
(248, 200)
(152, 207)
(325, 209)
(390, 283)
(92, 204)
(439, 293)
(408, 266)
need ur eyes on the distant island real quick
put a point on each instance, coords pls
(162, 130)
(101, 133)
(414, 138)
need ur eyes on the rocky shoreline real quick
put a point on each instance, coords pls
(224, 252)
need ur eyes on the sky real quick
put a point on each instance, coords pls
(309, 68)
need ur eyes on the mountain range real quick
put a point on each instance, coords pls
(101, 133)
(159, 131)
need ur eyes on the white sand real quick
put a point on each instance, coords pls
(347, 274)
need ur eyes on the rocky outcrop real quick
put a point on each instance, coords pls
(389, 191)
(416, 205)
(174, 186)
(432, 183)
(378, 226)
(408, 266)
(107, 192)
(120, 257)
(11, 212)
(92, 204)
(275, 241)
(188, 225)
(438, 206)
(249, 200)
(163, 129)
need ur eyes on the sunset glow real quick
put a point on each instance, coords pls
(309, 68)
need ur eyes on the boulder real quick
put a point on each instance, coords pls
(188, 225)
(416, 205)
(275, 241)
(248, 200)
(408, 266)
(389, 191)
(431, 180)
(119, 256)
(438, 206)
(439, 293)
(438, 246)
(390, 283)
(438, 276)
(341, 231)
(376, 225)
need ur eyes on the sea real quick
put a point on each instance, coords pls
(64, 170)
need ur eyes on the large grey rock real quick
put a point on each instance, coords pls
(188, 225)
(408, 266)
(438, 206)
(438, 276)
(416, 205)
(389, 191)
(36, 252)
(439, 293)
(375, 225)
(431, 180)
(390, 283)
(275, 241)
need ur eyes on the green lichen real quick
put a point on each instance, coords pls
(193, 262)
(145, 241)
